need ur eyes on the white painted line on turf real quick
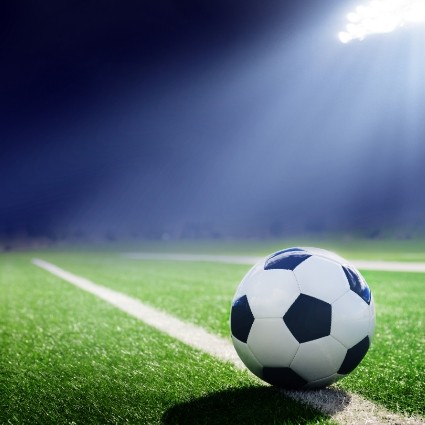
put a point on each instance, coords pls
(190, 334)
(345, 408)
(351, 409)
(391, 266)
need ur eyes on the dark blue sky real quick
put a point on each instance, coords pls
(236, 118)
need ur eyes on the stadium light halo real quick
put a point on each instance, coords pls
(381, 16)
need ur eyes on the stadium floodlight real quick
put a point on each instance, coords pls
(381, 16)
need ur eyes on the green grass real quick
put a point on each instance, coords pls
(66, 357)
(410, 250)
(392, 372)
(389, 249)
(200, 293)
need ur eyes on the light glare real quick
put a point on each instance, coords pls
(353, 17)
(381, 16)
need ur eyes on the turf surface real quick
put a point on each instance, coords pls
(392, 372)
(388, 249)
(68, 357)
(408, 250)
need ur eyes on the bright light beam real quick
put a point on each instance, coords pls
(382, 16)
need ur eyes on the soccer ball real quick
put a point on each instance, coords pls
(302, 318)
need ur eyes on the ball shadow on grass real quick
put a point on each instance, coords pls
(257, 405)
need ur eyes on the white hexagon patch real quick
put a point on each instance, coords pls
(321, 278)
(319, 358)
(271, 342)
(350, 319)
(271, 293)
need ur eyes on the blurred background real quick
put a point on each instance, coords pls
(184, 119)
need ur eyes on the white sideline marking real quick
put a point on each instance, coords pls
(343, 407)
(189, 334)
(391, 266)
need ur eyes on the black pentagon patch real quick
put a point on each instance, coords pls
(241, 319)
(286, 260)
(354, 356)
(308, 318)
(357, 283)
(283, 251)
(283, 377)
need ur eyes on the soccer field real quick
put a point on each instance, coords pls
(69, 357)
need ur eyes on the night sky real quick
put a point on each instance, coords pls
(205, 119)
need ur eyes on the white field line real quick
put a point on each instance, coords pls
(343, 407)
(189, 334)
(393, 266)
